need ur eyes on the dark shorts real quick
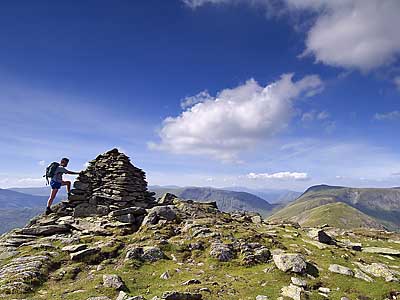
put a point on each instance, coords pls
(55, 185)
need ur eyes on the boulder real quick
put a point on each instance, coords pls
(262, 297)
(45, 230)
(320, 236)
(290, 262)
(361, 275)
(174, 295)
(298, 281)
(292, 291)
(222, 252)
(167, 199)
(152, 254)
(134, 253)
(136, 211)
(82, 254)
(124, 296)
(380, 250)
(165, 275)
(113, 281)
(379, 270)
(167, 212)
(74, 248)
(341, 270)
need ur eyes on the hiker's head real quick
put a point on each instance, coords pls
(64, 162)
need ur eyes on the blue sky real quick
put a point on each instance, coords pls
(260, 93)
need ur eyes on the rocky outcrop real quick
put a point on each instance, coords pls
(182, 249)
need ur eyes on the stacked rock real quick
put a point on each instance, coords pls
(109, 183)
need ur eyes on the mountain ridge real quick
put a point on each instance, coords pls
(381, 204)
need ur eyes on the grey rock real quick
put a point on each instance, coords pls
(380, 250)
(82, 254)
(167, 199)
(128, 218)
(113, 281)
(324, 290)
(262, 297)
(134, 253)
(222, 252)
(378, 270)
(136, 211)
(191, 281)
(167, 212)
(292, 292)
(257, 219)
(99, 298)
(320, 236)
(290, 262)
(340, 270)
(298, 281)
(74, 248)
(45, 230)
(8, 254)
(124, 296)
(174, 295)
(152, 254)
(361, 275)
(165, 275)
(87, 210)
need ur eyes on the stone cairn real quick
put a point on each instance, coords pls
(110, 183)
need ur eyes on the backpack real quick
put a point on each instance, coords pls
(51, 171)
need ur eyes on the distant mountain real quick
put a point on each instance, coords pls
(17, 217)
(39, 191)
(226, 200)
(271, 195)
(371, 207)
(11, 199)
(17, 208)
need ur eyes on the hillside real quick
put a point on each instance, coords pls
(373, 206)
(39, 191)
(271, 195)
(98, 245)
(227, 201)
(10, 199)
(17, 208)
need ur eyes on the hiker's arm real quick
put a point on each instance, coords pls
(73, 173)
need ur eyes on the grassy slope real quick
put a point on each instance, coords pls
(339, 215)
(225, 280)
(382, 205)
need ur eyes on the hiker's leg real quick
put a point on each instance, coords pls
(52, 196)
(68, 185)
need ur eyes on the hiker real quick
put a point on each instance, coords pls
(55, 171)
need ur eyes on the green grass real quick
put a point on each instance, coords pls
(230, 280)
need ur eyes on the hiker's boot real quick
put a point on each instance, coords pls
(48, 211)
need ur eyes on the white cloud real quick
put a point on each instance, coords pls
(41, 162)
(360, 34)
(323, 115)
(192, 100)
(390, 116)
(86, 164)
(198, 3)
(236, 119)
(279, 176)
(354, 33)
(308, 116)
